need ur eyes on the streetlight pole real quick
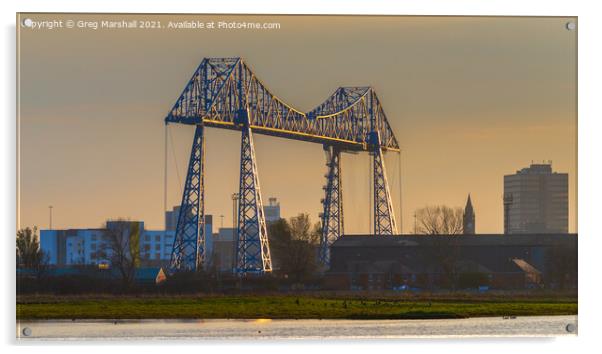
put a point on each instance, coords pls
(50, 210)
(234, 211)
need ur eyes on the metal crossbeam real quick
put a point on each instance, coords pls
(188, 250)
(253, 251)
(332, 217)
(222, 86)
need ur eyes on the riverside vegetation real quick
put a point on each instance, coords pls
(302, 306)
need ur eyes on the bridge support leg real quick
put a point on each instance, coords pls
(384, 217)
(188, 251)
(332, 217)
(253, 251)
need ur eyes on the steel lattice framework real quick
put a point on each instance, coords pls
(332, 216)
(225, 93)
(189, 242)
(384, 217)
(253, 251)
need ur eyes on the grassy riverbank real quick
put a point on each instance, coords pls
(288, 307)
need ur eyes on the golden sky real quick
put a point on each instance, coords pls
(469, 98)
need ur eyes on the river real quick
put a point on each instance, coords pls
(294, 329)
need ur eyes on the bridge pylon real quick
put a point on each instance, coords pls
(332, 216)
(253, 250)
(384, 216)
(188, 252)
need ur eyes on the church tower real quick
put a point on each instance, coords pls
(468, 221)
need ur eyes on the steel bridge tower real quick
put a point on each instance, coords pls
(225, 93)
(384, 217)
(253, 250)
(332, 216)
(189, 242)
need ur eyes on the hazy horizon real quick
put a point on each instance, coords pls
(470, 100)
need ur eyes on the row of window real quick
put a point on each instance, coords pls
(147, 238)
(146, 256)
(148, 247)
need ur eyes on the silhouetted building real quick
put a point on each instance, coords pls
(468, 220)
(490, 261)
(224, 249)
(536, 200)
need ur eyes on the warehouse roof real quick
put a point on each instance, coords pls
(460, 240)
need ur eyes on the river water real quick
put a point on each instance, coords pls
(293, 329)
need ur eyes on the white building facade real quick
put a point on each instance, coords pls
(91, 246)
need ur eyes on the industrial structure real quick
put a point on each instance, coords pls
(272, 210)
(429, 262)
(225, 93)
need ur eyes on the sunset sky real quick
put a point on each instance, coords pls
(469, 98)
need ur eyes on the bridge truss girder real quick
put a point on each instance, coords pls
(220, 87)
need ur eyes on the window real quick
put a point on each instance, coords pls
(146, 248)
(157, 255)
(158, 238)
(147, 238)
(158, 247)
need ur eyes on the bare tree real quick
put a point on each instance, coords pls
(439, 220)
(302, 229)
(29, 253)
(294, 246)
(121, 246)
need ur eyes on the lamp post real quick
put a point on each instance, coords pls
(50, 211)
(234, 211)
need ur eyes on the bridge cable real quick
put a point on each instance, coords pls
(165, 174)
(370, 196)
(175, 160)
(400, 171)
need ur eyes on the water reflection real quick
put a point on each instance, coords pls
(265, 328)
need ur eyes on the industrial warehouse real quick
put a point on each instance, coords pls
(422, 262)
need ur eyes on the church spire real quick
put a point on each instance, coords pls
(468, 221)
(468, 205)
